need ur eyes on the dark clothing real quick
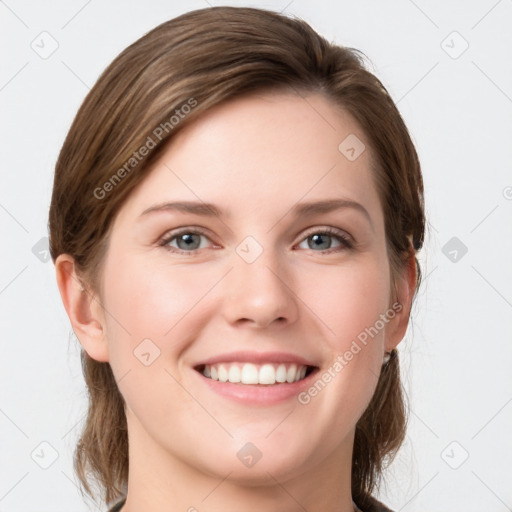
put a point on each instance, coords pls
(117, 507)
(375, 506)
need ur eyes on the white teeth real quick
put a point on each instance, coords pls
(281, 373)
(267, 374)
(234, 374)
(292, 371)
(223, 373)
(248, 373)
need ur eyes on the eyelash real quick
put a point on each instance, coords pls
(347, 243)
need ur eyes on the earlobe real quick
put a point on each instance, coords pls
(405, 293)
(83, 309)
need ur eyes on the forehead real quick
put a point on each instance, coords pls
(268, 149)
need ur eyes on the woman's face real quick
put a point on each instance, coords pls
(253, 278)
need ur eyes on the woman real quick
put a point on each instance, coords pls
(235, 219)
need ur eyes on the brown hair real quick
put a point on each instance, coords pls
(200, 59)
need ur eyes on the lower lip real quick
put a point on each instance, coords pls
(258, 394)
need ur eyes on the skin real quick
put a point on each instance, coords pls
(255, 157)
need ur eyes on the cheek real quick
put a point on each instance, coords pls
(154, 313)
(347, 299)
(350, 302)
(151, 301)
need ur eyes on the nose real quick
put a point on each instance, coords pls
(260, 293)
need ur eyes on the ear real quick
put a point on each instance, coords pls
(83, 308)
(405, 287)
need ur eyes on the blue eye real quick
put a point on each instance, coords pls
(322, 239)
(189, 241)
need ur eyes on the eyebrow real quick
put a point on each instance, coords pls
(299, 210)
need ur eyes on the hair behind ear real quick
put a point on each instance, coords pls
(379, 433)
(102, 449)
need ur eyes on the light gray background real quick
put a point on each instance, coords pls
(457, 355)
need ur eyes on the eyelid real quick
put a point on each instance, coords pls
(328, 230)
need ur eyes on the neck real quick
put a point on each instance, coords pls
(161, 481)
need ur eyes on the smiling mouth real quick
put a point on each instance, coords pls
(267, 374)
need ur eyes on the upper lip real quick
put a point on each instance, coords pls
(257, 358)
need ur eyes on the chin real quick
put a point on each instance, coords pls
(260, 464)
(259, 475)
